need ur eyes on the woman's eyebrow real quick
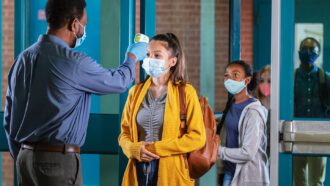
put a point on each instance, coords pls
(156, 51)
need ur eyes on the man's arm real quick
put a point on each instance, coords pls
(92, 77)
(14, 146)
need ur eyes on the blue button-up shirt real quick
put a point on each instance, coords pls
(49, 93)
(307, 96)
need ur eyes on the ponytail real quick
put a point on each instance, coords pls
(179, 73)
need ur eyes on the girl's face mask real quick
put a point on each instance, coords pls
(234, 87)
(264, 88)
(154, 67)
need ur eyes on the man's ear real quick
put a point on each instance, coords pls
(73, 26)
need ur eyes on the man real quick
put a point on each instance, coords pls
(311, 100)
(49, 96)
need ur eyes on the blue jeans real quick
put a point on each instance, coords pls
(147, 173)
(227, 179)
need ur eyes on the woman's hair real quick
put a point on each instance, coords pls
(178, 72)
(263, 70)
(248, 73)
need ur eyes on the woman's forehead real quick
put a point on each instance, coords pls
(266, 73)
(157, 45)
(235, 68)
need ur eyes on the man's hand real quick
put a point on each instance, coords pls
(139, 50)
(145, 155)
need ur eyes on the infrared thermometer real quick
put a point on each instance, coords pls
(141, 38)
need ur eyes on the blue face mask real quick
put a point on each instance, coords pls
(79, 41)
(234, 87)
(307, 57)
(154, 67)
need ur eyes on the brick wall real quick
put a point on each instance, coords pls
(221, 52)
(7, 60)
(182, 17)
(247, 31)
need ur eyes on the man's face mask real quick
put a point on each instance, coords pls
(308, 56)
(80, 40)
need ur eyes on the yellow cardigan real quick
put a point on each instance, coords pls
(171, 171)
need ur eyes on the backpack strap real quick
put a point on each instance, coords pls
(322, 86)
(323, 92)
(183, 110)
(183, 116)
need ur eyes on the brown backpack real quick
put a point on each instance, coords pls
(200, 161)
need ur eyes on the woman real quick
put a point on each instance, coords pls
(263, 94)
(245, 123)
(150, 126)
(263, 90)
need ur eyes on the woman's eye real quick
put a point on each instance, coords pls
(262, 81)
(148, 55)
(226, 75)
(268, 81)
(235, 75)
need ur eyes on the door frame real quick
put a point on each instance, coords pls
(275, 87)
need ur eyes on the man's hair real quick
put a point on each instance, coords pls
(310, 38)
(61, 12)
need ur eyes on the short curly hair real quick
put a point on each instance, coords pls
(61, 12)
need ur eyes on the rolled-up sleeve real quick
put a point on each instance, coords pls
(92, 77)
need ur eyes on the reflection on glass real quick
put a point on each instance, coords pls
(311, 81)
(309, 170)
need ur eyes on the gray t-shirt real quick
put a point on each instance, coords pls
(150, 118)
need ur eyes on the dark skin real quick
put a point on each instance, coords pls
(308, 44)
(237, 73)
(307, 67)
(70, 30)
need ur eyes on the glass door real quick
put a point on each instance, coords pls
(300, 111)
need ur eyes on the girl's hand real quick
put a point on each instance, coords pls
(145, 155)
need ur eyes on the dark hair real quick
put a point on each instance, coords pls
(248, 73)
(178, 71)
(61, 12)
(313, 39)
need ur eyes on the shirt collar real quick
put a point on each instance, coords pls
(53, 39)
(311, 73)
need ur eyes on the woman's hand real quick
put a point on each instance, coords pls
(145, 155)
